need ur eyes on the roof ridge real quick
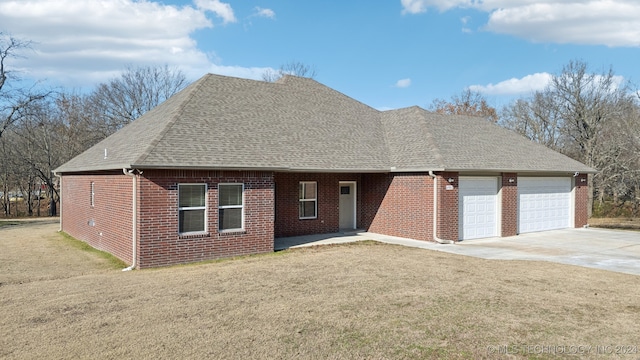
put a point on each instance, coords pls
(171, 122)
(290, 80)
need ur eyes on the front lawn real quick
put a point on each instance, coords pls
(368, 300)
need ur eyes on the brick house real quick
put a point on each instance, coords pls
(226, 165)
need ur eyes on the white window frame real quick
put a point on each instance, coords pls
(241, 206)
(206, 223)
(93, 194)
(300, 201)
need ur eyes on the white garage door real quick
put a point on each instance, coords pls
(544, 203)
(478, 214)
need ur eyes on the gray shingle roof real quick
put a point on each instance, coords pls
(298, 124)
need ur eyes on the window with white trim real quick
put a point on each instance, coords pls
(230, 207)
(192, 208)
(308, 200)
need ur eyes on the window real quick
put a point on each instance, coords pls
(93, 193)
(308, 200)
(230, 207)
(192, 208)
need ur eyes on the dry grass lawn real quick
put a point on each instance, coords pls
(616, 223)
(365, 300)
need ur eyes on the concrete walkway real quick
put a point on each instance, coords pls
(613, 250)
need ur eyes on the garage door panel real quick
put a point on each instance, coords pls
(478, 207)
(543, 203)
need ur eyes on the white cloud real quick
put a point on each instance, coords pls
(532, 83)
(80, 43)
(593, 22)
(403, 83)
(465, 20)
(610, 23)
(222, 10)
(420, 6)
(413, 6)
(513, 86)
(268, 13)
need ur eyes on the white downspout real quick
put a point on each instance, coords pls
(435, 211)
(59, 197)
(135, 216)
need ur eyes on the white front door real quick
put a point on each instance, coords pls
(347, 206)
(544, 203)
(478, 207)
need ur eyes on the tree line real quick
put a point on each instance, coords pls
(591, 117)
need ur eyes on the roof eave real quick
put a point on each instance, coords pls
(525, 171)
(219, 168)
(339, 170)
(63, 170)
(415, 170)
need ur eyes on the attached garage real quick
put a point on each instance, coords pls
(544, 203)
(478, 207)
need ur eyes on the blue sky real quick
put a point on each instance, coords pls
(387, 54)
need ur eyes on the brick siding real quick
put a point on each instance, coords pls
(448, 206)
(581, 190)
(160, 244)
(108, 224)
(509, 194)
(399, 205)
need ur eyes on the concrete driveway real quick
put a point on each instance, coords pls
(613, 250)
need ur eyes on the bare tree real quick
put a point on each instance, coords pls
(296, 68)
(587, 116)
(138, 90)
(15, 104)
(82, 123)
(536, 119)
(468, 102)
(39, 132)
(14, 101)
(40, 149)
(7, 173)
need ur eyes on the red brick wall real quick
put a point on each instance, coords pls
(108, 224)
(399, 205)
(448, 206)
(509, 194)
(287, 221)
(581, 200)
(374, 189)
(160, 243)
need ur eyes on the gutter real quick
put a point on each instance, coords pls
(435, 211)
(134, 236)
(541, 172)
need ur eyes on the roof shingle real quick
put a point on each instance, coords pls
(298, 124)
